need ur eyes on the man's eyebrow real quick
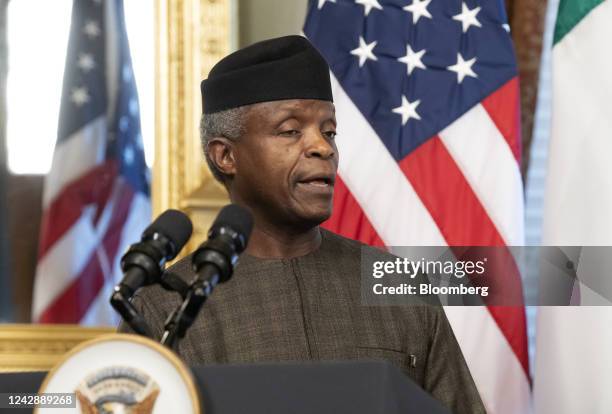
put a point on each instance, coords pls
(289, 111)
(285, 109)
(284, 117)
(331, 119)
(289, 116)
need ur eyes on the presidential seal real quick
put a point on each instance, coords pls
(123, 374)
(117, 390)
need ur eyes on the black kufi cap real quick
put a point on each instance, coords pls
(283, 68)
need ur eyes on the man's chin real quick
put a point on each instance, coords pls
(316, 217)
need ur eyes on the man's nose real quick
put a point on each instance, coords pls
(319, 146)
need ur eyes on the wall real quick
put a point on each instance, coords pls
(24, 198)
(264, 19)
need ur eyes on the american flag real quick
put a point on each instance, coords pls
(96, 196)
(427, 95)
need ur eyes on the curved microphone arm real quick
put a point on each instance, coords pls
(182, 318)
(120, 302)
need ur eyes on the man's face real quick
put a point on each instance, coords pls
(286, 162)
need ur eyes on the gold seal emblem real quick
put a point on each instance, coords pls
(123, 374)
(117, 390)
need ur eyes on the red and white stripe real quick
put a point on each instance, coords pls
(83, 233)
(462, 187)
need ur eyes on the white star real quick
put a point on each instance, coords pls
(322, 3)
(506, 27)
(418, 8)
(467, 17)
(86, 62)
(128, 155)
(133, 105)
(126, 73)
(407, 110)
(364, 51)
(368, 5)
(412, 59)
(79, 96)
(463, 68)
(91, 29)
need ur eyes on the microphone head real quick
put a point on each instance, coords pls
(236, 218)
(173, 225)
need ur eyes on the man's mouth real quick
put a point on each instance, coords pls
(319, 182)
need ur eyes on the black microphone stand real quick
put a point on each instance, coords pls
(120, 301)
(213, 263)
(183, 317)
(128, 312)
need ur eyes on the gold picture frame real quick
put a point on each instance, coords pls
(192, 35)
(32, 347)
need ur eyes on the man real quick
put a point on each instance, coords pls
(268, 133)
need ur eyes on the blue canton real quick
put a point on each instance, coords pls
(412, 67)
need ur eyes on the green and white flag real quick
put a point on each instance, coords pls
(573, 370)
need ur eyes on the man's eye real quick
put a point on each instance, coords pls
(290, 133)
(330, 134)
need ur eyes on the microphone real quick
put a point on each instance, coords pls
(215, 259)
(143, 263)
(213, 262)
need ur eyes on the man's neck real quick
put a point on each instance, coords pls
(269, 242)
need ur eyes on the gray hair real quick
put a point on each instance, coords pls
(229, 124)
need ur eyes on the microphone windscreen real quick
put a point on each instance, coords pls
(237, 218)
(174, 225)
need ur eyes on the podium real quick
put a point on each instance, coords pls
(372, 387)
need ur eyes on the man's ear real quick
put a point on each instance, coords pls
(221, 153)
